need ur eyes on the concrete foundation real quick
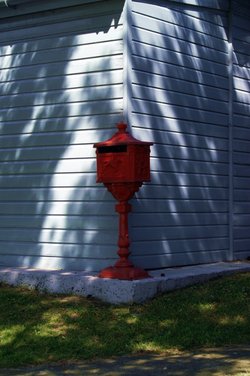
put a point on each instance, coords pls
(116, 291)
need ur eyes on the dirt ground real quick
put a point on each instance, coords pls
(207, 362)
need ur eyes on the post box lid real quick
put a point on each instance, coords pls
(121, 137)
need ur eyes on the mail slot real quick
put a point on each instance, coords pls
(123, 158)
(112, 149)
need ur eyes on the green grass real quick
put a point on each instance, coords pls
(37, 328)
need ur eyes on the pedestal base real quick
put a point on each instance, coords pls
(125, 273)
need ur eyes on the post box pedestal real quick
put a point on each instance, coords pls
(123, 268)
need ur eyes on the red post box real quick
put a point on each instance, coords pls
(122, 158)
(123, 164)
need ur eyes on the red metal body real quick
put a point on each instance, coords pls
(123, 164)
(123, 158)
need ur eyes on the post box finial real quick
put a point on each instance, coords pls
(122, 127)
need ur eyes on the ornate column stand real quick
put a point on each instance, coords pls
(123, 268)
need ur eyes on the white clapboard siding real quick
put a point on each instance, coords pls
(61, 91)
(178, 92)
(69, 71)
(241, 134)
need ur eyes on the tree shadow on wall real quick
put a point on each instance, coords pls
(179, 100)
(61, 87)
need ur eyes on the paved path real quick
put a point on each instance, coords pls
(213, 362)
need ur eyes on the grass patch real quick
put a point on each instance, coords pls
(37, 328)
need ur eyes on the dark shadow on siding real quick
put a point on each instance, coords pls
(179, 100)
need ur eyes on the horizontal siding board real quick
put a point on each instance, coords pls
(213, 4)
(97, 193)
(242, 255)
(65, 208)
(240, 160)
(182, 139)
(242, 194)
(174, 247)
(200, 62)
(155, 108)
(242, 71)
(176, 219)
(150, 39)
(241, 120)
(179, 192)
(176, 85)
(242, 232)
(189, 179)
(68, 109)
(240, 84)
(242, 146)
(61, 54)
(241, 207)
(242, 108)
(156, 205)
(242, 171)
(181, 232)
(242, 219)
(53, 138)
(189, 153)
(61, 262)
(241, 55)
(241, 34)
(180, 99)
(58, 236)
(191, 258)
(241, 97)
(46, 153)
(240, 23)
(76, 167)
(53, 43)
(175, 16)
(65, 96)
(192, 166)
(242, 183)
(100, 222)
(53, 250)
(241, 134)
(178, 30)
(191, 75)
(218, 19)
(239, 4)
(50, 180)
(98, 64)
(75, 123)
(166, 123)
(81, 80)
(242, 245)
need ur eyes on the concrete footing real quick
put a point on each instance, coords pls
(116, 291)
